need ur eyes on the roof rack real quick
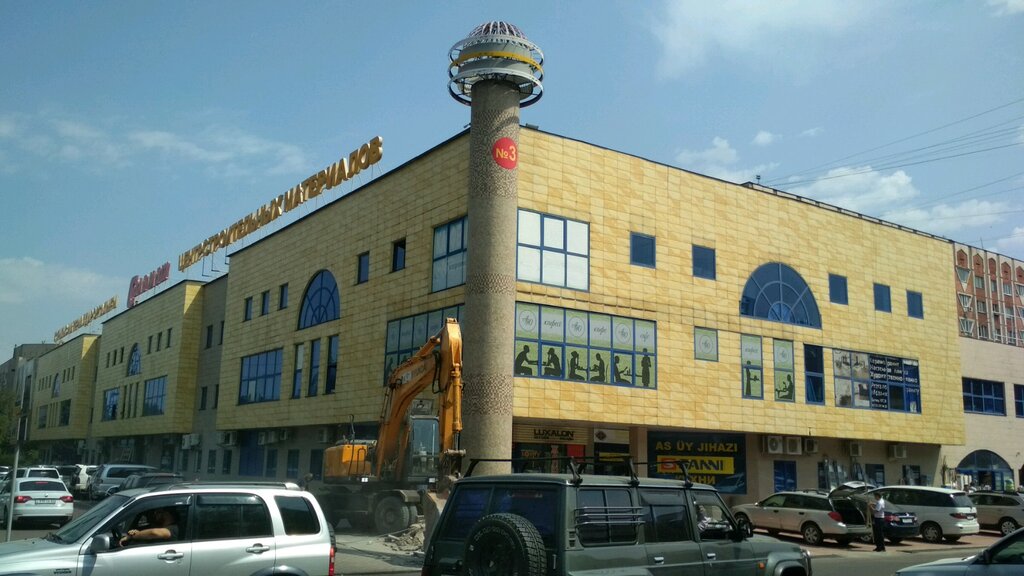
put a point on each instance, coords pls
(576, 465)
(683, 465)
(229, 483)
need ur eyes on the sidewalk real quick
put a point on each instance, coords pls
(367, 554)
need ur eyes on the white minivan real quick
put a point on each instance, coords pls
(944, 514)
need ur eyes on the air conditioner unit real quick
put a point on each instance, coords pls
(811, 445)
(855, 449)
(794, 445)
(81, 445)
(323, 435)
(284, 434)
(262, 438)
(774, 445)
(186, 441)
(228, 438)
(195, 439)
(897, 451)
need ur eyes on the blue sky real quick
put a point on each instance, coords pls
(131, 131)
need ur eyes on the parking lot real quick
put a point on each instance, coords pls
(965, 546)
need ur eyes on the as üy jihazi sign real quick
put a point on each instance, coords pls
(85, 320)
(344, 169)
(140, 284)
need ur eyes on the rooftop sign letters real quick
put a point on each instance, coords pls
(141, 284)
(85, 320)
(344, 169)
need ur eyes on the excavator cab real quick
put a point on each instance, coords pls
(423, 450)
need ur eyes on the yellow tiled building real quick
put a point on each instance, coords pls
(62, 393)
(660, 314)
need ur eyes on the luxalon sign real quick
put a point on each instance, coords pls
(344, 169)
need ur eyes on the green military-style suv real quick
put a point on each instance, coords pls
(573, 524)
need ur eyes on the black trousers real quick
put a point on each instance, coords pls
(878, 530)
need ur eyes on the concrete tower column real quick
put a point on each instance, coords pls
(495, 71)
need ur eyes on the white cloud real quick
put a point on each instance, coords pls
(1012, 244)
(26, 280)
(224, 150)
(717, 161)
(765, 138)
(862, 189)
(691, 29)
(949, 219)
(812, 132)
(1007, 7)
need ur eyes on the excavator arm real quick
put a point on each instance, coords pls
(439, 363)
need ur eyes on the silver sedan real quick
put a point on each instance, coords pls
(38, 499)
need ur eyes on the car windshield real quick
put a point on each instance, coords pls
(86, 522)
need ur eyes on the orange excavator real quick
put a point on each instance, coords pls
(379, 482)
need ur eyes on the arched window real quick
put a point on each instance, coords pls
(776, 292)
(320, 304)
(986, 468)
(135, 361)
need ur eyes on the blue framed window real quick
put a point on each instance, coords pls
(134, 361)
(155, 396)
(883, 299)
(785, 382)
(777, 293)
(784, 475)
(65, 413)
(814, 374)
(398, 255)
(406, 335)
(292, 466)
(363, 268)
(553, 250)
(247, 312)
(915, 304)
(300, 361)
(314, 368)
(704, 262)
(211, 462)
(225, 463)
(250, 453)
(282, 297)
(110, 400)
(203, 396)
(265, 303)
(984, 397)
(574, 345)
(42, 416)
(321, 302)
(641, 250)
(449, 266)
(271, 470)
(837, 289)
(316, 463)
(1018, 400)
(260, 379)
(56, 385)
(332, 365)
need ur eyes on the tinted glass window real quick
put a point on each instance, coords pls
(231, 516)
(537, 506)
(41, 485)
(606, 516)
(665, 516)
(961, 500)
(467, 506)
(298, 515)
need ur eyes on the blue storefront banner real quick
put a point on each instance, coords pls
(716, 459)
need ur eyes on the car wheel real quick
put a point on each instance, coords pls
(895, 540)
(743, 523)
(504, 545)
(390, 515)
(931, 532)
(950, 538)
(1008, 525)
(866, 538)
(812, 534)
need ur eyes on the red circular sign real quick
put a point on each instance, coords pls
(505, 153)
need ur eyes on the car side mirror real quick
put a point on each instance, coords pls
(984, 557)
(113, 489)
(99, 543)
(739, 533)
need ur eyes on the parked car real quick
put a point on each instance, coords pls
(142, 480)
(80, 480)
(559, 524)
(899, 524)
(812, 514)
(223, 529)
(944, 514)
(1005, 557)
(39, 499)
(38, 472)
(1003, 511)
(110, 475)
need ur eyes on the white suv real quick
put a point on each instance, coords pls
(218, 528)
(1000, 510)
(944, 514)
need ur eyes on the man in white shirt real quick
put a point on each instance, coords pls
(878, 521)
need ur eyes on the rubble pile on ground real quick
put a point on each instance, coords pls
(408, 540)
